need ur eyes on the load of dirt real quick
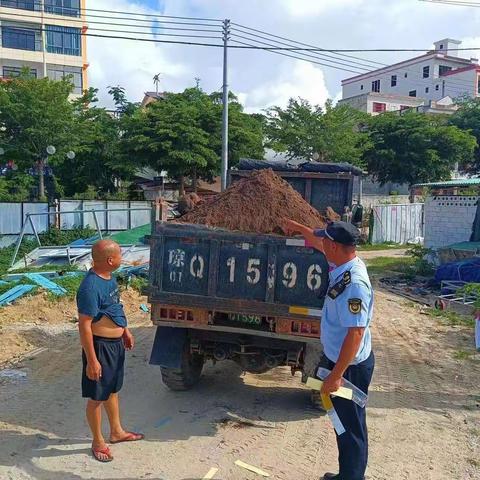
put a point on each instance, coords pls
(258, 203)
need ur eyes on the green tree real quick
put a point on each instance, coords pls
(182, 134)
(330, 134)
(98, 164)
(35, 114)
(415, 148)
(467, 117)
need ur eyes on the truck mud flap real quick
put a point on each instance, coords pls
(168, 347)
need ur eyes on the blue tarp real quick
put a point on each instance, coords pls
(465, 270)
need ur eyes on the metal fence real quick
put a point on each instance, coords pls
(397, 223)
(14, 215)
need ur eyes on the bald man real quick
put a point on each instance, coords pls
(104, 337)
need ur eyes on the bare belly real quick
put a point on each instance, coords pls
(107, 328)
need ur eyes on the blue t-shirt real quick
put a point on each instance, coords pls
(351, 308)
(98, 297)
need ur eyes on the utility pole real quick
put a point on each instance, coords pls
(226, 36)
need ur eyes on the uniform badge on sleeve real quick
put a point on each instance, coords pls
(355, 305)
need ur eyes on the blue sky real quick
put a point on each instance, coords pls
(262, 79)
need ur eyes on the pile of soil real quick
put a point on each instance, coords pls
(258, 203)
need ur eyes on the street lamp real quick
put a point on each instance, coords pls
(71, 155)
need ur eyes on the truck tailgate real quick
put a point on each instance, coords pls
(215, 269)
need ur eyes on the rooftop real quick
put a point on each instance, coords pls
(460, 182)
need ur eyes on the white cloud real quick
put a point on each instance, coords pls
(129, 64)
(302, 80)
(308, 8)
(260, 78)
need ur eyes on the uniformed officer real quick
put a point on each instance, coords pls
(345, 336)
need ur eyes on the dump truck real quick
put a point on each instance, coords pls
(221, 295)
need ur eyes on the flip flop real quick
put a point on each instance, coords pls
(103, 451)
(129, 437)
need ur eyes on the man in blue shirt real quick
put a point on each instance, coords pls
(346, 337)
(104, 337)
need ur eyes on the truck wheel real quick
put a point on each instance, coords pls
(185, 377)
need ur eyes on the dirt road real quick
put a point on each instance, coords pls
(424, 413)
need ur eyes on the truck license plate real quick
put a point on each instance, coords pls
(249, 319)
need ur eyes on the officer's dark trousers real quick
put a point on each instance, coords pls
(353, 444)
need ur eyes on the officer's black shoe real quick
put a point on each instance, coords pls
(331, 476)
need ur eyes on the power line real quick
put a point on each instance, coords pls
(314, 55)
(349, 65)
(454, 3)
(297, 58)
(358, 69)
(151, 15)
(94, 22)
(299, 43)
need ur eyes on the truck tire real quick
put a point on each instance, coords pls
(189, 373)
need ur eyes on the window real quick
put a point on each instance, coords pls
(426, 89)
(437, 87)
(63, 7)
(426, 72)
(412, 93)
(63, 40)
(21, 38)
(57, 72)
(406, 75)
(23, 4)
(478, 85)
(376, 86)
(443, 69)
(393, 81)
(361, 87)
(379, 107)
(441, 46)
(12, 72)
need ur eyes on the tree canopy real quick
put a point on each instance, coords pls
(415, 148)
(181, 134)
(329, 134)
(467, 117)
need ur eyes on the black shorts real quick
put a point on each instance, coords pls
(111, 355)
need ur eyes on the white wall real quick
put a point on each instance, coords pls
(449, 219)
(415, 80)
(461, 83)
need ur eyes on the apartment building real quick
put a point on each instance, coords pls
(428, 82)
(45, 36)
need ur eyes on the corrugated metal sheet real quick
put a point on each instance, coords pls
(12, 216)
(397, 223)
(139, 218)
(461, 182)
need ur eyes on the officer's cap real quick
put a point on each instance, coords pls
(340, 232)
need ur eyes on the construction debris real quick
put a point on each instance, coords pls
(258, 203)
(14, 293)
(46, 283)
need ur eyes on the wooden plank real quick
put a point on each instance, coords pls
(211, 473)
(251, 468)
